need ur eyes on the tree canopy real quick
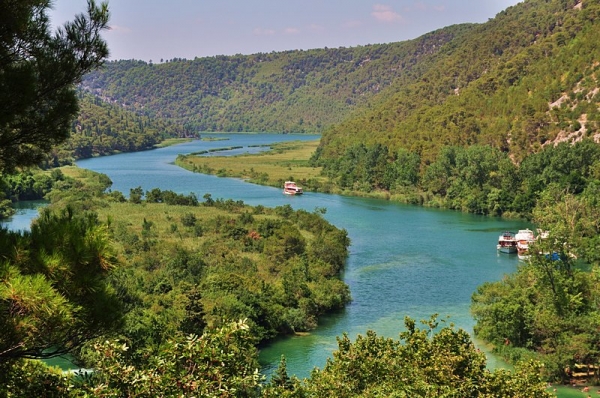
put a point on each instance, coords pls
(548, 309)
(526, 78)
(38, 73)
(290, 91)
(53, 291)
(54, 295)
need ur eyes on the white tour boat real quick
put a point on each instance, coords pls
(507, 243)
(290, 188)
(524, 238)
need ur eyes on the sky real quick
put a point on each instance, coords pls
(155, 30)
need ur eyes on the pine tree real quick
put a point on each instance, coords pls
(38, 73)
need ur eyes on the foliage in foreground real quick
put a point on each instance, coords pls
(39, 73)
(194, 264)
(183, 267)
(222, 362)
(54, 295)
(186, 264)
(422, 363)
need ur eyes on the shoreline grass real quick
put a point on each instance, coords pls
(172, 141)
(284, 161)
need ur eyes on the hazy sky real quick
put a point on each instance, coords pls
(166, 29)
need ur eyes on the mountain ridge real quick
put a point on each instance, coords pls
(491, 84)
(289, 92)
(499, 98)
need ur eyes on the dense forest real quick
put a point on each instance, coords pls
(162, 264)
(100, 129)
(443, 120)
(285, 92)
(478, 179)
(525, 79)
(164, 294)
(548, 309)
(103, 128)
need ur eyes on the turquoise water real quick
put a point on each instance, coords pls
(404, 260)
(25, 212)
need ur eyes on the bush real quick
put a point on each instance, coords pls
(188, 220)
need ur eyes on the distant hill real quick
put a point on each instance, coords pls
(527, 78)
(284, 92)
(103, 128)
(522, 80)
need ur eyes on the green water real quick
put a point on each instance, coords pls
(404, 260)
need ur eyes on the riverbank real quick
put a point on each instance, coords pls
(284, 161)
(291, 161)
(172, 141)
(384, 256)
(177, 141)
(260, 245)
(290, 156)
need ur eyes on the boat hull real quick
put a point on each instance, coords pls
(507, 249)
(523, 249)
(524, 238)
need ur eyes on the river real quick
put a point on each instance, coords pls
(404, 260)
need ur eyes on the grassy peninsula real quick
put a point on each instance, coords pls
(284, 161)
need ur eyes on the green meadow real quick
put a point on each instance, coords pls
(284, 161)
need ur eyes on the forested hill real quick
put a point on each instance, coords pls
(104, 128)
(523, 79)
(292, 91)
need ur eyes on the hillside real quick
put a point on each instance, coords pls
(293, 91)
(103, 128)
(520, 81)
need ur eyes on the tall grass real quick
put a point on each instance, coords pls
(285, 161)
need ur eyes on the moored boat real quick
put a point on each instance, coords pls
(290, 188)
(524, 238)
(507, 243)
